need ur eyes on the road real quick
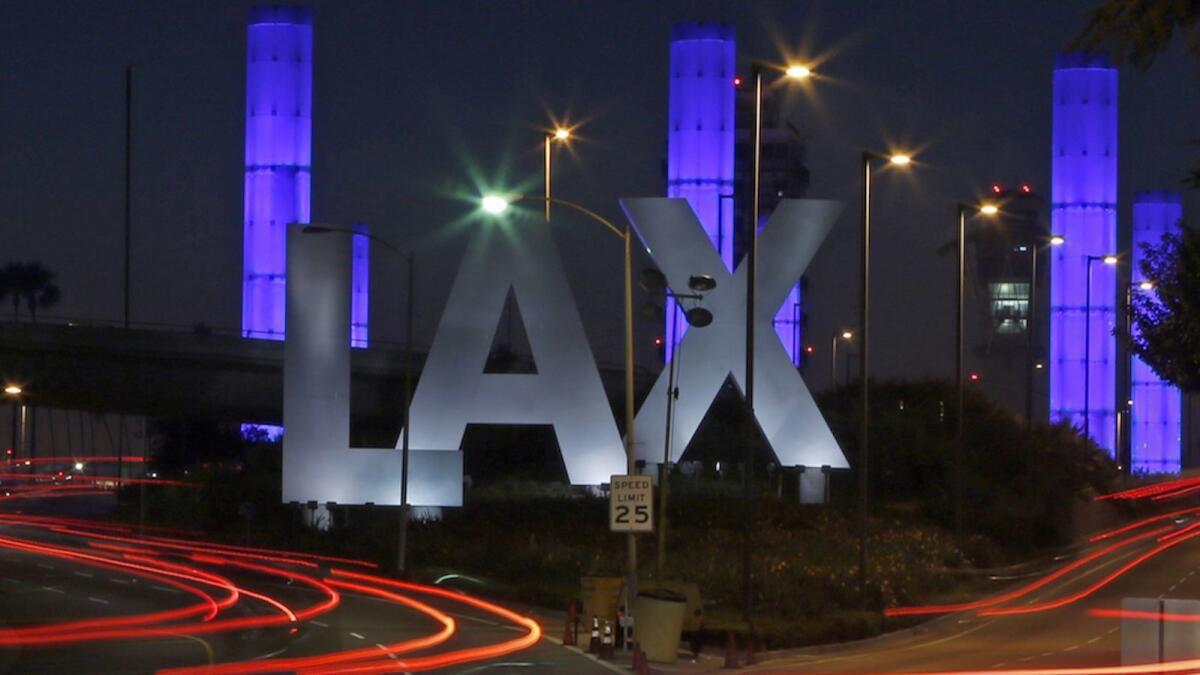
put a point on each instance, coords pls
(1063, 619)
(77, 596)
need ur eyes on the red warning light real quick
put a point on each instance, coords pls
(1026, 188)
(737, 81)
(808, 349)
(997, 188)
(974, 377)
(658, 341)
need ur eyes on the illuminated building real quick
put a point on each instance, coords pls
(1084, 210)
(279, 50)
(360, 284)
(1155, 417)
(700, 135)
(709, 155)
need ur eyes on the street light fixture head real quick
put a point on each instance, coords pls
(12, 390)
(798, 72)
(562, 134)
(701, 283)
(494, 204)
(1057, 240)
(699, 317)
(847, 335)
(900, 159)
(989, 209)
(1110, 260)
(1146, 285)
(79, 466)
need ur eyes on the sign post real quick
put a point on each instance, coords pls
(631, 504)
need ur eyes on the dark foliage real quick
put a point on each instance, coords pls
(1166, 320)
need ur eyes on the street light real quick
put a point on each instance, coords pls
(1124, 393)
(959, 356)
(559, 135)
(407, 256)
(1031, 326)
(1110, 260)
(497, 205)
(796, 72)
(697, 317)
(18, 415)
(844, 335)
(900, 160)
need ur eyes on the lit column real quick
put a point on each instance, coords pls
(360, 284)
(1084, 166)
(278, 154)
(1156, 427)
(701, 134)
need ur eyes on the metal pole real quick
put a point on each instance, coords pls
(959, 375)
(128, 174)
(1087, 351)
(546, 166)
(864, 330)
(630, 459)
(751, 288)
(1031, 327)
(402, 553)
(664, 476)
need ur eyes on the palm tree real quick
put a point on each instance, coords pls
(32, 283)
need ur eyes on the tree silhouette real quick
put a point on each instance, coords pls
(31, 283)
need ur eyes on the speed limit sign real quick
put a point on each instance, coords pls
(631, 504)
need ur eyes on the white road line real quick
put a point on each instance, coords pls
(474, 618)
(1094, 640)
(356, 635)
(1047, 654)
(997, 665)
(85, 575)
(123, 581)
(1172, 588)
(319, 623)
(1071, 648)
(45, 566)
(98, 600)
(389, 652)
(1027, 658)
(1113, 629)
(52, 589)
(164, 589)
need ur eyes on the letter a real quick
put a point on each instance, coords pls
(566, 391)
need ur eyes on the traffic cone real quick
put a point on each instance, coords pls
(731, 659)
(640, 665)
(606, 643)
(568, 634)
(594, 643)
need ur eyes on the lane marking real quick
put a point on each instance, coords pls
(85, 575)
(1071, 648)
(388, 652)
(122, 581)
(45, 566)
(1094, 640)
(356, 635)
(322, 624)
(53, 590)
(98, 600)
(164, 589)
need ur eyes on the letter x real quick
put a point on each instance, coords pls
(784, 408)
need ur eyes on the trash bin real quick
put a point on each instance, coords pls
(658, 622)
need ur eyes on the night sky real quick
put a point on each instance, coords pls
(420, 103)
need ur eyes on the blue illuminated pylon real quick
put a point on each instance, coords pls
(700, 136)
(1156, 431)
(1084, 212)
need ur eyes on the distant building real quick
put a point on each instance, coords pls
(1007, 316)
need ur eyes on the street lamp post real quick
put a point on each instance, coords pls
(863, 359)
(15, 392)
(845, 335)
(407, 256)
(959, 357)
(560, 135)
(1031, 325)
(496, 205)
(796, 72)
(1087, 341)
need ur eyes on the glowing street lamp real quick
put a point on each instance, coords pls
(798, 72)
(12, 390)
(494, 204)
(844, 335)
(559, 135)
(901, 160)
(1110, 260)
